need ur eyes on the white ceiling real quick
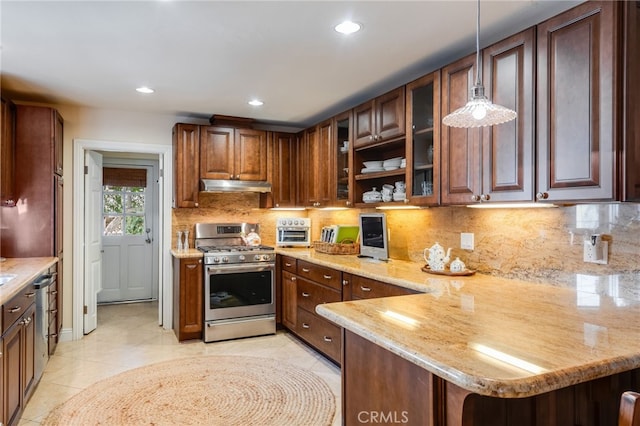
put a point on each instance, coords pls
(211, 57)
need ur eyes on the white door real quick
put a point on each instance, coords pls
(128, 237)
(92, 238)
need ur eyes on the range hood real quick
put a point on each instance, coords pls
(219, 185)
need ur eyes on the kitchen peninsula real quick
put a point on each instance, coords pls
(483, 350)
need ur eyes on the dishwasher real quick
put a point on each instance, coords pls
(41, 287)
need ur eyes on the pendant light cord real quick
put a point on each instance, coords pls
(478, 81)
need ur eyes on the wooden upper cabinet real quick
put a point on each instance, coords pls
(217, 152)
(231, 153)
(631, 130)
(460, 166)
(7, 153)
(380, 119)
(250, 155)
(508, 148)
(304, 173)
(186, 153)
(310, 159)
(284, 183)
(577, 103)
(324, 174)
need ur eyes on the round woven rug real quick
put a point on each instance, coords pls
(209, 390)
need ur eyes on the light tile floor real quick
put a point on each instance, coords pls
(128, 337)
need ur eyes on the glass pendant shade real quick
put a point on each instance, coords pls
(479, 111)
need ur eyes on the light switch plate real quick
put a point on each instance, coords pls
(466, 240)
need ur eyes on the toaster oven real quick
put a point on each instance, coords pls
(293, 232)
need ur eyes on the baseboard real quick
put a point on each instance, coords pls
(66, 335)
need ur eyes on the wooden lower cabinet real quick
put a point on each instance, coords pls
(366, 288)
(188, 302)
(289, 305)
(18, 345)
(380, 387)
(320, 333)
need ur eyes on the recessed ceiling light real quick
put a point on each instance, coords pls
(348, 27)
(256, 102)
(145, 89)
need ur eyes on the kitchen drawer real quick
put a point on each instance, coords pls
(288, 264)
(311, 294)
(17, 306)
(366, 288)
(320, 274)
(320, 333)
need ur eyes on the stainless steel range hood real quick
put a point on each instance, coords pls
(219, 185)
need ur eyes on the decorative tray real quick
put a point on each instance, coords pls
(464, 273)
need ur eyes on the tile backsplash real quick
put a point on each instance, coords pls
(540, 245)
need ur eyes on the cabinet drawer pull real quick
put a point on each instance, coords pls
(365, 288)
(327, 339)
(542, 195)
(53, 335)
(287, 264)
(305, 294)
(53, 311)
(305, 270)
(305, 325)
(53, 293)
(16, 309)
(30, 295)
(327, 277)
(191, 266)
(345, 282)
(293, 278)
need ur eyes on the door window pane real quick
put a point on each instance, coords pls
(123, 210)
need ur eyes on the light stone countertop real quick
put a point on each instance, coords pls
(492, 336)
(26, 270)
(186, 254)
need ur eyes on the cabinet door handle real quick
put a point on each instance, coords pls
(475, 198)
(327, 339)
(53, 335)
(542, 195)
(191, 266)
(305, 270)
(54, 292)
(305, 325)
(30, 295)
(345, 282)
(305, 294)
(53, 311)
(16, 309)
(195, 204)
(485, 197)
(365, 288)
(327, 277)
(293, 278)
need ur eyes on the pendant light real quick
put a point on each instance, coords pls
(479, 111)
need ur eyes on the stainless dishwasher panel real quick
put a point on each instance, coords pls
(41, 352)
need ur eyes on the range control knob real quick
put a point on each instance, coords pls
(290, 222)
(216, 259)
(225, 259)
(265, 257)
(257, 257)
(241, 257)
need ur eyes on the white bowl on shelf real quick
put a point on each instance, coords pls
(373, 164)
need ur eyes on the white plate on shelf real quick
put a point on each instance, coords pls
(372, 169)
(387, 168)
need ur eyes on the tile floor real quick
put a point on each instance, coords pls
(128, 337)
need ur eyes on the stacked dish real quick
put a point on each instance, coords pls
(392, 163)
(372, 167)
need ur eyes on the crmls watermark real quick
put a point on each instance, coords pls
(383, 417)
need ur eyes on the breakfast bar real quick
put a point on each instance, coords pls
(489, 351)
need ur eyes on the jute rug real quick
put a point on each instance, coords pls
(209, 390)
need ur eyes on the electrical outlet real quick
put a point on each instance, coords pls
(596, 252)
(466, 240)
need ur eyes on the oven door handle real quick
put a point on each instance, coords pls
(230, 269)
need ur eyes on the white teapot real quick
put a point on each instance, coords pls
(436, 259)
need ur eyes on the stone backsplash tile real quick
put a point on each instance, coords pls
(530, 244)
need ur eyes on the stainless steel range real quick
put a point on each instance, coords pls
(239, 282)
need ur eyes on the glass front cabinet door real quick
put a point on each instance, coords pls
(343, 167)
(423, 140)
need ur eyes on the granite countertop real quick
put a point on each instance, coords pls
(186, 254)
(494, 336)
(26, 270)
(498, 337)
